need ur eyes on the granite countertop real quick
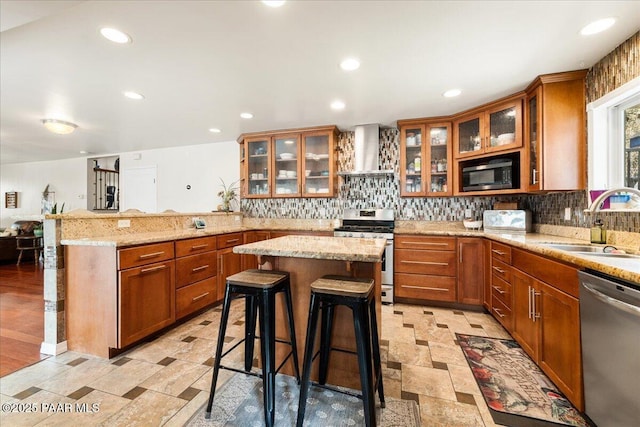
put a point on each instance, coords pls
(318, 247)
(121, 240)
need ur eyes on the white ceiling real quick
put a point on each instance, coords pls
(201, 63)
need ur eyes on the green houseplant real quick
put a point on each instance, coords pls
(229, 195)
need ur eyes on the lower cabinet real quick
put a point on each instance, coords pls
(147, 301)
(470, 270)
(546, 319)
(196, 267)
(251, 261)
(229, 263)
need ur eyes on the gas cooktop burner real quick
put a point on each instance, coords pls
(366, 229)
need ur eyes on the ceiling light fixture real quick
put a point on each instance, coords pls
(337, 105)
(59, 126)
(273, 3)
(215, 130)
(597, 26)
(350, 64)
(133, 95)
(115, 36)
(246, 115)
(451, 93)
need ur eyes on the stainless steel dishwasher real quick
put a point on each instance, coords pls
(610, 327)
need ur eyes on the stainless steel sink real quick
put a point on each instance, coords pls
(609, 255)
(576, 248)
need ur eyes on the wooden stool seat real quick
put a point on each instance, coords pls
(339, 285)
(256, 278)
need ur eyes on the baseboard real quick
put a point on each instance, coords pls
(53, 349)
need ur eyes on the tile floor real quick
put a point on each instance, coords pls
(164, 382)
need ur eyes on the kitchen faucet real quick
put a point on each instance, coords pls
(595, 206)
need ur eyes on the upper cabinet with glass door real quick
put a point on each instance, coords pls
(494, 127)
(292, 163)
(286, 166)
(425, 158)
(318, 163)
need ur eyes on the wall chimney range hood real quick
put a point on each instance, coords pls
(366, 152)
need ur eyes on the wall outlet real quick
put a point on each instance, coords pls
(567, 214)
(124, 223)
(238, 218)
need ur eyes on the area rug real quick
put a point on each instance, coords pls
(239, 403)
(517, 392)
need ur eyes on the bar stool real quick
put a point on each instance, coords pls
(29, 243)
(259, 288)
(357, 294)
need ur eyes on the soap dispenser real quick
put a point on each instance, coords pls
(598, 233)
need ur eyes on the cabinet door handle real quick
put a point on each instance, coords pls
(425, 263)
(535, 177)
(199, 246)
(221, 264)
(202, 267)
(425, 288)
(149, 270)
(534, 309)
(498, 252)
(499, 270)
(151, 255)
(499, 290)
(530, 310)
(498, 312)
(427, 243)
(460, 251)
(233, 240)
(194, 299)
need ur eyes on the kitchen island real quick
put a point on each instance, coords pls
(308, 258)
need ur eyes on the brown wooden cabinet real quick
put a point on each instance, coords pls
(251, 261)
(196, 267)
(555, 132)
(425, 158)
(470, 270)
(146, 291)
(229, 263)
(501, 289)
(490, 128)
(547, 319)
(291, 163)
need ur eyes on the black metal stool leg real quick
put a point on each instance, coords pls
(251, 312)
(375, 344)
(361, 326)
(266, 312)
(308, 358)
(216, 365)
(325, 340)
(292, 331)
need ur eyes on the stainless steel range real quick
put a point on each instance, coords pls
(376, 224)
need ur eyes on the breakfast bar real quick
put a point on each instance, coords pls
(308, 258)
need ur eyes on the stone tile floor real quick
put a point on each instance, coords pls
(165, 381)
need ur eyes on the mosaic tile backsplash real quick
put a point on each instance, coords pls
(620, 66)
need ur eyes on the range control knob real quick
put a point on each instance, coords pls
(361, 235)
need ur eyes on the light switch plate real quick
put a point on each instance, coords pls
(124, 223)
(567, 214)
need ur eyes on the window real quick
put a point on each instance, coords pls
(614, 138)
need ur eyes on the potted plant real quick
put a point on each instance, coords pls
(228, 194)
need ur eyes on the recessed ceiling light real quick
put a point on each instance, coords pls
(246, 115)
(59, 126)
(338, 105)
(133, 95)
(215, 130)
(273, 3)
(84, 152)
(451, 93)
(597, 26)
(115, 36)
(350, 64)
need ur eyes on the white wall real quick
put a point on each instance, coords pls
(200, 166)
(67, 178)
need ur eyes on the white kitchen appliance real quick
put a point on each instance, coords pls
(374, 224)
(507, 221)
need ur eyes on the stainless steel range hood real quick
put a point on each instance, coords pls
(366, 152)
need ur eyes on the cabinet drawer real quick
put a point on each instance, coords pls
(195, 246)
(501, 290)
(501, 252)
(229, 240)
(425, 242)
(556, 274)
(425, 262)
(501, 270)
(502, 313)
(195, 296)
(418, 286)
(195, 267)
(141, 255)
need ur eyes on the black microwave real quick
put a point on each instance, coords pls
(497, 173)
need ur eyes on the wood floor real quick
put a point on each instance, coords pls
(21, 315)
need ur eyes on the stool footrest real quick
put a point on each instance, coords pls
(336, 389)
